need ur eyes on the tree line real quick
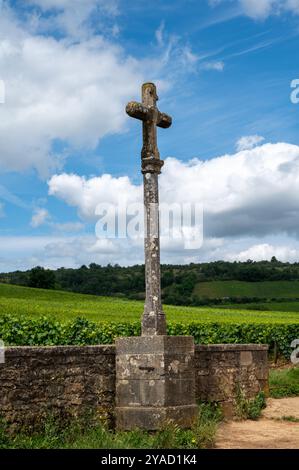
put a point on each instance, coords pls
(178, 281)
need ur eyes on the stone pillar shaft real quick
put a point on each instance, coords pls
(153, 320)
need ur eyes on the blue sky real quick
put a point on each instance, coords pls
(223, 69)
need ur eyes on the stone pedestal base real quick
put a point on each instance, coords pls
(155, 382)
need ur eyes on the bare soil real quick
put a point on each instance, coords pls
(271, 431)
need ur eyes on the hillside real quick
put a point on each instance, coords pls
(218, 282)
(262, 289)
(32, 303)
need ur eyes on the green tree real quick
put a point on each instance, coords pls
(41, 278)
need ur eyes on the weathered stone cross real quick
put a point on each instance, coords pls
(153, 320)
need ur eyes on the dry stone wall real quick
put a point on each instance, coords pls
(68, 381)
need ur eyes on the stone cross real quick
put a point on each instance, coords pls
(153, 320)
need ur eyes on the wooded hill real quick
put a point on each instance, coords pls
(191, 284)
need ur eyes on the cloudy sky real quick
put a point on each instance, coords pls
(224, 71)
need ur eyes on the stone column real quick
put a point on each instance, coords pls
(153, 320)
(155, 377)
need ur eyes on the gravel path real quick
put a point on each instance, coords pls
(269, 432)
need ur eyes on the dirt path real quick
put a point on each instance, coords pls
(269, 432)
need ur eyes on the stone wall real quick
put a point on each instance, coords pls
(221, 370)
(68, 381)
(61, 381)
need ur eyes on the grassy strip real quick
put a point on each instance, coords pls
(24, 302)
(291, 419)
(250, 408)
(284, 382)
(78, 435)
(272, 306)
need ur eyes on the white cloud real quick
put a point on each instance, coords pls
(159, 34)
(265, 251)
(248, 142)
(76, 6)
(253, 192)
(54, 252)
(85, 194)
(218, 66)
(39, 217)
(8, 196)
(261, 9)
(57, 90)
(293, 5)
(258, 8)
(25, 252)
(73, 17)
(188, 56)
(64, 94)
(67, 226)
(175, 57)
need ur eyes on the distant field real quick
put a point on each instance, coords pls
(265, 289)
(272, 306)
(64, 306)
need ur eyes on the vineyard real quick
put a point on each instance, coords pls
(43, 317)
(262, 289)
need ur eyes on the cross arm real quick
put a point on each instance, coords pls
(164, 120)
(144, 113)
(138, 111)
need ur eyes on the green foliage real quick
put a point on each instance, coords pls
(291, 419)
(278, 305)
(41, 278)
(78, 434)
(209, 416)
(64, 306)
(256, 406)
(43, 317)
(17, 330)
(4, 435)
(48, 332)
(242, 289)
(250, 408)
(194, 284)
(284, 382)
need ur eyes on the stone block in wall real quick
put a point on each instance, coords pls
(63, 381)
(221, 370)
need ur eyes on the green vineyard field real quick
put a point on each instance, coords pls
(44, 317)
